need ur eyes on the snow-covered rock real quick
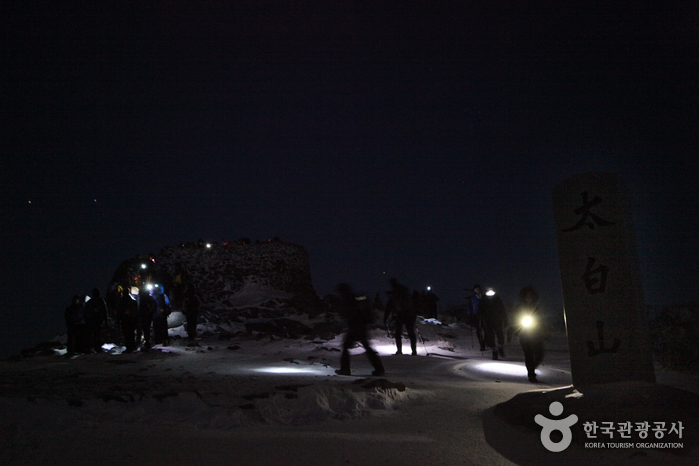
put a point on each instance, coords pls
(230, 276)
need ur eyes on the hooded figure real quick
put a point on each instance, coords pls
(530, 328)
(357, 312)
(400, 306)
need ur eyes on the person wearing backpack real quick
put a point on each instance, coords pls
(400, 306)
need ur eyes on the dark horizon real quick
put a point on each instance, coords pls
(389, 140)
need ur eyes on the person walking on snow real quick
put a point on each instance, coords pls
(475, 316)
(494, 317)
(530, 328)
(357, 312)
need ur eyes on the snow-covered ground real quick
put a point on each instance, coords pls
(256, 399)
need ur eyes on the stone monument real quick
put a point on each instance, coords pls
(605, 313)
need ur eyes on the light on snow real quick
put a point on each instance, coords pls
(503, 368)
(286, 370)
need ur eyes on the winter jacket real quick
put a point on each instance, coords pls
(74, 315)
(493, 310)
(95, 312)
(400, 305)
(162, 303)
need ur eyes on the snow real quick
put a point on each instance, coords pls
(257, 399)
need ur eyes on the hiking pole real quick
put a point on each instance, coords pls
(422, 340)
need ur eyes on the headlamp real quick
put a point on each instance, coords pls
(528, 322)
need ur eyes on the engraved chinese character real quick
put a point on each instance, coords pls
(602, 348)
(587, 217)
(595, 279)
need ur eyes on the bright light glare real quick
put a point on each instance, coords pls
(429, 288)
(208, 245)
(143, 266)
(149, 287)
(286, 370)
(386, 349)
(527, 321)
(490, 293)
(503, 368)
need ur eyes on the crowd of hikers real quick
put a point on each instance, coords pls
(486, 313)
(137, 318)
(132, 316)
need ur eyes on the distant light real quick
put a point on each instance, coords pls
(208, 245)
(429, 288)
(29, 202)
(149, 287)
(143, 266)
(490, 292)
(528, 322)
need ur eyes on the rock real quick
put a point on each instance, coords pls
(284, 328)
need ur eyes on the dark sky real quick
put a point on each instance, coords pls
(402, 139)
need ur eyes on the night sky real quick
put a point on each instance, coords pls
(402, 139)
